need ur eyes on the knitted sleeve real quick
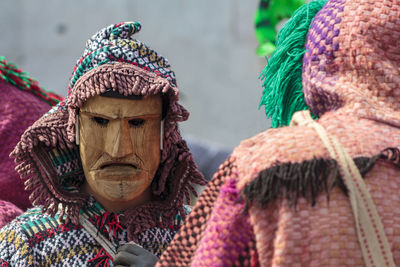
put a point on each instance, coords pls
(15, 249)
(216, 216)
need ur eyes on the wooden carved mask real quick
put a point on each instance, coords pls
(120, 144)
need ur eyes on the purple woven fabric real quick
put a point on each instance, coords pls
(19, 109)
(321, 47)
(8, 212)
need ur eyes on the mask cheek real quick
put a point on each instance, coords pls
(92, 139)
(146, 142)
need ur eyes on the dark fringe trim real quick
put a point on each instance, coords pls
(307, 179)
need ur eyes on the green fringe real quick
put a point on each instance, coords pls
(10, 73)
(283, 92)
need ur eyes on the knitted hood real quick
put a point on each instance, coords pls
(336, 55)
(352, 60)
(48, 157)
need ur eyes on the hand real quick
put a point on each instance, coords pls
(131, 254)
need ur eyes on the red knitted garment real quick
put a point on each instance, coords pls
(23, 101)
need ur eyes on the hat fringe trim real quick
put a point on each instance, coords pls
(125, 78)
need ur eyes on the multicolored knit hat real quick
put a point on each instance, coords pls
(22, 102)
(49, 159)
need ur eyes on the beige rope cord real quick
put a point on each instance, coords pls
(94, 232)
(374, 244)
(104, 242)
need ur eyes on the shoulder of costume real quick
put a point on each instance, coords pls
(292, 162)
(300, 146)
(9, 73)
(15, 247)
(275, 147)
(34, 226)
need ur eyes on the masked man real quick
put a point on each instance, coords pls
(317, 193)
(107, 166)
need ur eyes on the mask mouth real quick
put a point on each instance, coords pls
(118, 165)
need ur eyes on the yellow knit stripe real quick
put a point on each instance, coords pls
(67, 253)
(11, 237)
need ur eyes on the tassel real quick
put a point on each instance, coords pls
(283, 91)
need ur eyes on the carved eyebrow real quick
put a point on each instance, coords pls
(142, 116)
(98, 115)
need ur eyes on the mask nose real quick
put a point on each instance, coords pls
(119, 142)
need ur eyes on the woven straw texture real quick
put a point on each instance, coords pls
(298, 213)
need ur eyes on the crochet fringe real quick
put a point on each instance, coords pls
(34, 166)
(306, 179)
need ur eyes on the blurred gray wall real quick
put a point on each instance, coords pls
(209, 43)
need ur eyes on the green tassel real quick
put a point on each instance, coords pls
(283, 92)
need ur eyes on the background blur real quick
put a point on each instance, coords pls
(210, 45)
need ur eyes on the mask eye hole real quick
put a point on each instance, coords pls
(100, 121)
(136, 122)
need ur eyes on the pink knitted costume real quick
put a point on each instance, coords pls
(22, 102)
(280, 199)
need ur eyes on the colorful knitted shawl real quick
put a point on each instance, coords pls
(38, 239)
(279, 200)
(48, 158)
(22, 102)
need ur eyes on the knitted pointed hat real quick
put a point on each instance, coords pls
(49, 158)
